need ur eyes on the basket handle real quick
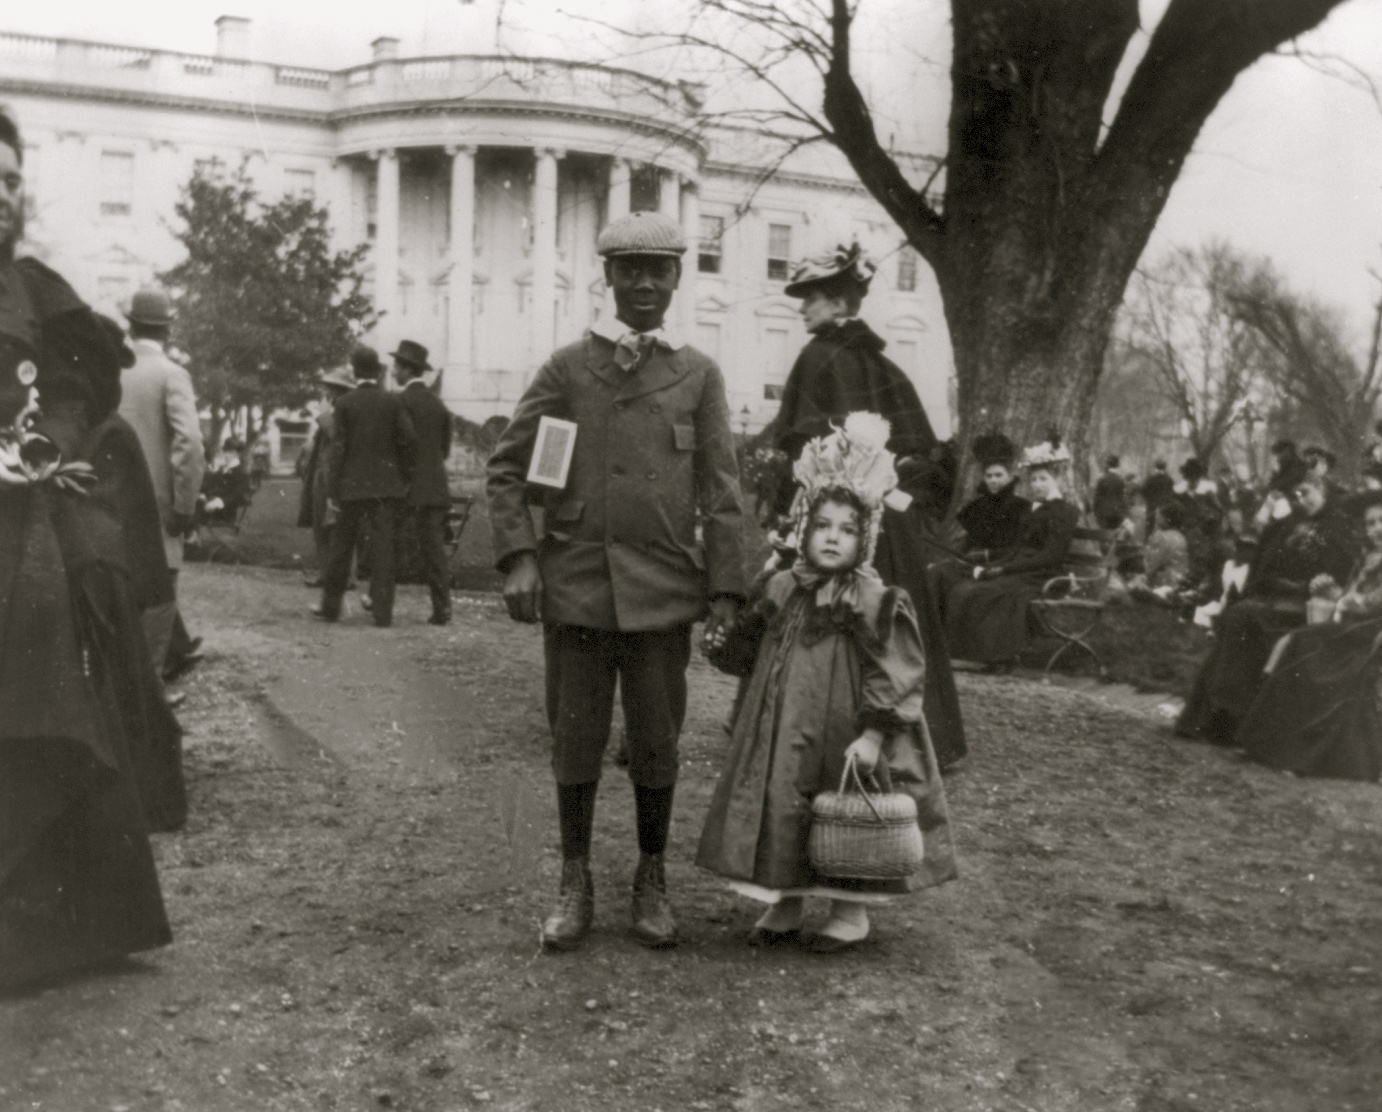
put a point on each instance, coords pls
(851, 771)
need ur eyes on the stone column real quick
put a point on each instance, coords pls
(620, 172)
(388, 331)
(456, 384)
(669, 194)
(690, 270)
(544, 284)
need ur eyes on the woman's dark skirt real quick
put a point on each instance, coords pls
(901, 561)
(77, 879)
(1319, 712)
(1231, 675)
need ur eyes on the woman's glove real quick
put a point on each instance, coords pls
(866, 750)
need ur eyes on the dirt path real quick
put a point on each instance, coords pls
(1141, 924)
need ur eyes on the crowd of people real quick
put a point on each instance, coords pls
(842, 642)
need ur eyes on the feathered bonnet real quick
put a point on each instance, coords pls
(1049, 455)
(840, 266)
(853, 459)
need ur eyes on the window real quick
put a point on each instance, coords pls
(300, 185)
(117, 183)
(907, 269)
(779, 251)
(712, 232)
(777, 343)
(645, 189)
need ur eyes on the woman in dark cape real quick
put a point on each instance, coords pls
(986, 617)
(842, 370)
(1319, 712)
(994, 518)
(82, 717)
(1317, 539)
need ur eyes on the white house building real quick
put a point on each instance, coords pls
(480, 181)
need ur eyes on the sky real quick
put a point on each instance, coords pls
(1289, 166)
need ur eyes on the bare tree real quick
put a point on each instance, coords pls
(1314, 370)
(1045, 206)
(1179, 321)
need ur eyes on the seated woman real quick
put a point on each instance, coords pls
(1315, 539)
(1319, 712)
(994, 518)
(986, 615)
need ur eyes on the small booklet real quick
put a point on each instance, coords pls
(551, 462)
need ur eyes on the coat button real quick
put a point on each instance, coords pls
(652, 475)
(655, 408)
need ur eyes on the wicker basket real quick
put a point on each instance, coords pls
(858, 835)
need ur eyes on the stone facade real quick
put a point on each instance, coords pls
(488, 174)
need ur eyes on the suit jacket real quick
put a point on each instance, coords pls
(432, 420)
(157, 400)
(371, 455)
(653, 461)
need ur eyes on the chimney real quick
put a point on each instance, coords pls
(232, 37)
(385, 47)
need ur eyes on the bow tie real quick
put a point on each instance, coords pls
(631, 348)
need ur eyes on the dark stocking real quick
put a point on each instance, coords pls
(654, 817)
(576, 806)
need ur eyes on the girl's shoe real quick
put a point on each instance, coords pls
(847, 926)
(780, 923)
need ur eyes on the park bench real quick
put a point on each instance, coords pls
(224, 501)
(1071, 604)
(456, 518)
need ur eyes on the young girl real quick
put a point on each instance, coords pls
(835, 671)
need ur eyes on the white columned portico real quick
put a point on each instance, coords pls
(620, 179)
(386, 248)
(544, 283)
(669, 194)
(456, 383)
(690, 267)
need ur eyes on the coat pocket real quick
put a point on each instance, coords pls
(684, 437)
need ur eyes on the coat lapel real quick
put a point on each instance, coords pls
(660, 370)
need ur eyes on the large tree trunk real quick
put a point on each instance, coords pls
(1045, 212)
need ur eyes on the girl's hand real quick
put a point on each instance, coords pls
(866, 750)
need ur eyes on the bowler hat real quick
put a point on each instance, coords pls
(364, 361)
(412, 353)
(642, 233)
(843, 264)
(151, 306)
(337, 377)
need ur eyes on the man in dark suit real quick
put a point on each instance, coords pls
(429, 497)
(371, 462)
(643, 540)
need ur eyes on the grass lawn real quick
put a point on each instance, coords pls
(1143, 646)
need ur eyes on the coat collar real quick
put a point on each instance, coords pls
(660, 370)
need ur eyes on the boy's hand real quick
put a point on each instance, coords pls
(523, 588)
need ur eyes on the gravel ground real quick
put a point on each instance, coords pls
(1140, 924)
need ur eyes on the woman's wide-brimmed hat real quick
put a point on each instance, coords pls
(1049, 455)
(338, 377)
(843, 264)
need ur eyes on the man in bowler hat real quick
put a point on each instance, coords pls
(621, 572)
(429, 496)
(371, 460)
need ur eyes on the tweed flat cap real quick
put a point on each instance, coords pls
(642, 233)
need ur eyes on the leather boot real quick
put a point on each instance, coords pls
(653, 924)
(569, 923)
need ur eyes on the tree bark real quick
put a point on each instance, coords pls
(1042, 221)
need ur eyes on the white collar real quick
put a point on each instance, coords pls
(144, 341)
(614, 330)
(415, 382)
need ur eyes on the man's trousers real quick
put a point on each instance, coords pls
(582, 668)
(381, 516)
(430, 525)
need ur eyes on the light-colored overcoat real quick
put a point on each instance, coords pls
(157, 399)
(647, 529)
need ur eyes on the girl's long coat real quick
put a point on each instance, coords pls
(821, 677)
